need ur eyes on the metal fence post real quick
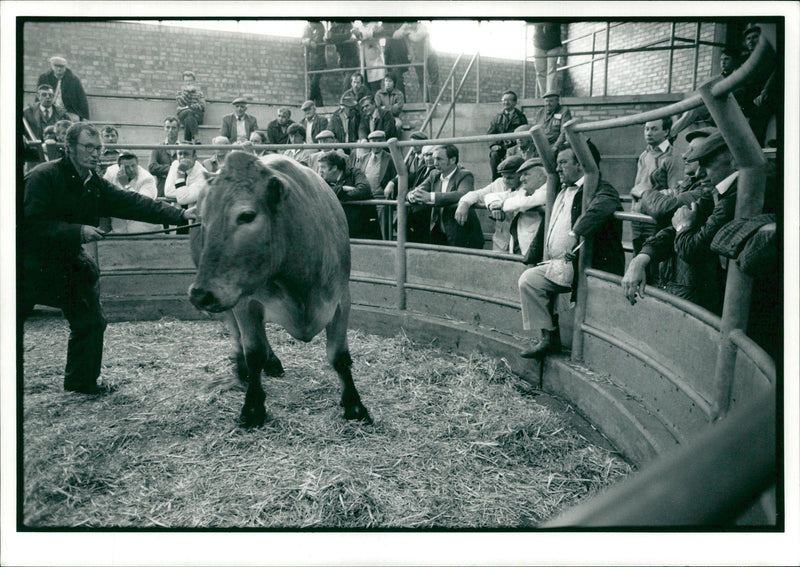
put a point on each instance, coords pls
(591, 175)
(671, 56)
(305, 67)
(605, 60)
(402, 215)
(751, 163)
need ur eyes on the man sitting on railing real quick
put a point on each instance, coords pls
(525, 210)
(506, 121)
(508, 182)
(539, 286)
(439, 193)
(696, 282)
(349, 184)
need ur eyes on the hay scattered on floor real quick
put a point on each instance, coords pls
(458, 442)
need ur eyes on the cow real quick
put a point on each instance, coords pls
(274, 246)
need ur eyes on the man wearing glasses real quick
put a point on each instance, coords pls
(63, 202)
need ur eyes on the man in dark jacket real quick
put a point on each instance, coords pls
(344, 122)
(374, 118)
(238, 125)
(539, 285)
(350, 184)
(440, 193)
(278, 129)
(63, 202)
(69, 94)
(161, 159)
(506, 121)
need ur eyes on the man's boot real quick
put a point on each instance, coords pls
(544, 346)
(555, 339)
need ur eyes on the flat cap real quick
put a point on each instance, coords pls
(708, 146)
(307, 104)
(56, 60)
(239, 100)
(510, 165)
(376, 134)
(418, 135)
(700, 133)
(527, 164)
(325, 134)
(551, 92)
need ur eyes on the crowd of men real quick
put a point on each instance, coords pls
(691, 197)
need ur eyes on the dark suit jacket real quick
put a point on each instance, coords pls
(72, 92)
(362, 220)
(320, 124)
(335, 125)
(387, 171)
(160, 160)
(276, 134)
(385, 122)
(36, 120)
(228, 128)
(468, 236)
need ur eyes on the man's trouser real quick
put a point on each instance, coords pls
(191, 121)
(495, 157)
(547, 76)
(72, 286)
(537, 295)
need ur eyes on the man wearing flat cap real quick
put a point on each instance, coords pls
(524, 209)
(552, 117)
(238, 125)
(68, 93)
(379, 170)
(695, 282)
(344, 122)
(312, 122)
(505, 184)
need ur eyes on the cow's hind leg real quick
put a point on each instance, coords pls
(339, 357)
(249, 317)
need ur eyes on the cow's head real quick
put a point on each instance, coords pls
(242, 224)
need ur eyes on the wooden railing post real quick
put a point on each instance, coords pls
(751, 164)
(591, 175)
(402, 215)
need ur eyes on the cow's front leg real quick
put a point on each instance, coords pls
(339, 357)
(250, 321)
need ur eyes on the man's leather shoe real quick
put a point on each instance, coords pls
(546, 345)
(91, 389)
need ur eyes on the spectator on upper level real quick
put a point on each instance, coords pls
(312, 122)
(344, 122)
(552, 117)
(129, 175)
(547, 53)
(238, 125)
(108, 156)
(278, 129)
(524, 146)
(395, 52)
(186, 177)
(314, 42)
(215, 162)
(373, 55)
(68, 93)
(297, 135)
(356, 89)
(657, 156)
(161, 159)
(760, 94)
(391, 99)
(506, 121)
(191, 106)
(374, 118)
(43, 113)
(440, 193)
(539, 286)
(696, 282)
(340, 34)
(349, 184)
(417, 40)
(507, 182)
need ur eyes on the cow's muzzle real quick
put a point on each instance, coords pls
(204, 300)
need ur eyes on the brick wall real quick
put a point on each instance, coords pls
(114, 58)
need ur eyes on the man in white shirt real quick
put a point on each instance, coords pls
(186, 178)
(505, 184)
(524, 209)
(129, 175)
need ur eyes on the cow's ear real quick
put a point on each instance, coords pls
(276, 192)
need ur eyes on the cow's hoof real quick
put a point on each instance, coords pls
(273, 367)
(253, 416)
(357, 412)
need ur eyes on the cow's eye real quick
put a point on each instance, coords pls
(246, 217)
